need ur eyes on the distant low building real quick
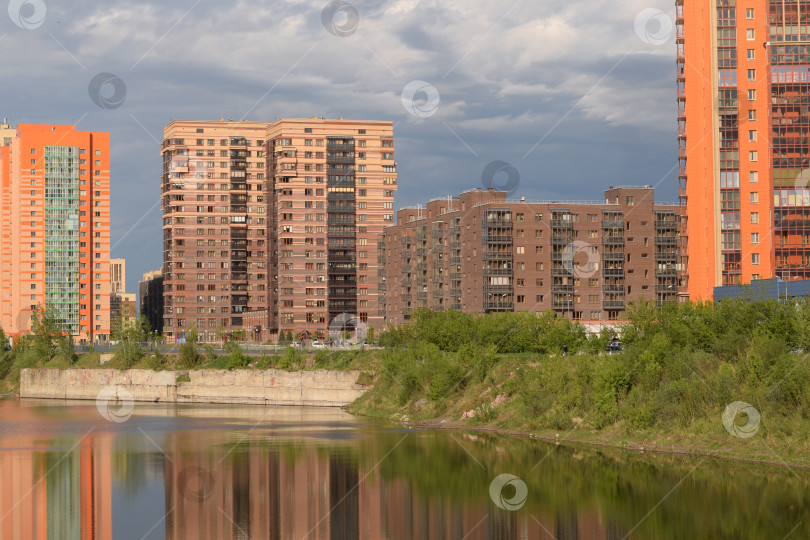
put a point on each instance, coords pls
(122, 309)
(150, 292)
(764, 289)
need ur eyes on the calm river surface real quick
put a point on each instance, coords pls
(219, 472)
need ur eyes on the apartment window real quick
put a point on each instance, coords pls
(754, 238)
(754, 277)
(755, 258)
(630, 201)
(752, 75)
(752, 95)
(753, 177)
(752, 135)
(749, 14)
(752, 115)
(754, 197)
(754, 218)
(752, 156)
(751, 55)
(749, 34)
(521, 250)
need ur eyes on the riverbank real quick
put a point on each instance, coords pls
(318, 388)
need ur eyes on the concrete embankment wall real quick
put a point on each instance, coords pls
(245, 387)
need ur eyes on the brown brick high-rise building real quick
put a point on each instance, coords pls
(215, 233)
(332, 193)
(281, 217)
(480, 253)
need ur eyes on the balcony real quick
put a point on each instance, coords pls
(562, 239)
(346, 146)
(455, 260)
(498, 289)
(406, 240)
(497, 256)
(454, 293)
(666, 224)
(613, 289)
(496, 239)
(499, 306)
(562, 289)
(456, 307)
(562, 224)
(438, 233)
(498, 272)
(670, 257)
(613, 272)
(613, 240)
(666, 241)
(455, 276)
(422, 296)
(613, 304)
(406, 268)
(455, 246)
(616, 256)
(438, 293)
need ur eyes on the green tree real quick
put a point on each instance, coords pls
(131, 335)
(370, 335)
(236, 358)
(46, 330)
(189, 357)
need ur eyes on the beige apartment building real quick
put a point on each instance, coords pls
(479, 253)
(280, 218)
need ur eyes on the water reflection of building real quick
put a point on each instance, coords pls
(64, 492)
(256, 491)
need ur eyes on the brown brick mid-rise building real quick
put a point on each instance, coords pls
(280, 218)
(480, 253)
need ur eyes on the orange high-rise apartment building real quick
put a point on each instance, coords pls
(744, 151)
(55, 228)
(278, 219)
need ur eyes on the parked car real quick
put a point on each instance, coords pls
(614, 346)
(318, 344)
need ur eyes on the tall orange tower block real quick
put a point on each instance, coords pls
(744, 151)
(55, 228)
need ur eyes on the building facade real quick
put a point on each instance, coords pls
(743, 88)
(150, 299)
(118, 275)
(55, 228)
(479, 253)
(281, 217)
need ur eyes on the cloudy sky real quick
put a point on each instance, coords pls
(575, 95)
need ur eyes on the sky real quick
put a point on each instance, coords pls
(550, 100)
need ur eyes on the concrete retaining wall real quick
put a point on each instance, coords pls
(245, 387)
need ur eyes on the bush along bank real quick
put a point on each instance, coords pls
(681, 366)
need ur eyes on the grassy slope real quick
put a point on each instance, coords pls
(559, 398)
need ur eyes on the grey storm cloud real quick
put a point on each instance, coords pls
(566, 93)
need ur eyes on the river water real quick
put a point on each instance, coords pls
(224, 472)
